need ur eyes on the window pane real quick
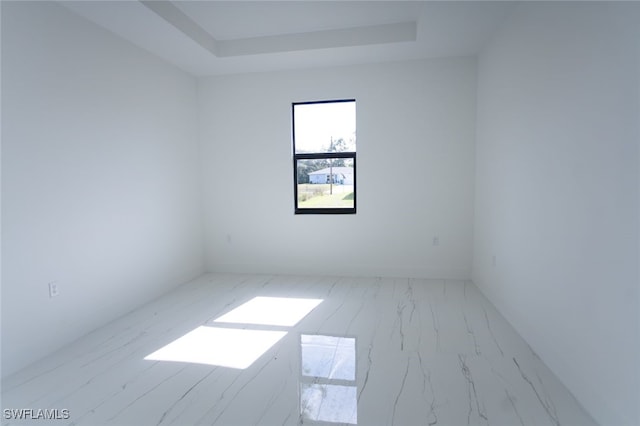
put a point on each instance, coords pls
(325, 183)
(325, 127)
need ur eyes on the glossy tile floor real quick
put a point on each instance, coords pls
(284, 350)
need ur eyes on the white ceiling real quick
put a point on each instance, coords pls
(222, 37)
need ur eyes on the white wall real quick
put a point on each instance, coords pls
(415, 123)
(99, 178)
(557, 194)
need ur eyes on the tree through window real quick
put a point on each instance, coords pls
(324, 156)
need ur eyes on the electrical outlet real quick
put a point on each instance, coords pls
(493, 260)
(436, 241)
(53, 289)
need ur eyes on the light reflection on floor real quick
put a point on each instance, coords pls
(278, 311)
(233, 347)
(328, 389)
(224, 347)
(329, 403)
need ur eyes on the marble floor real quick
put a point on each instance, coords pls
(284, 350)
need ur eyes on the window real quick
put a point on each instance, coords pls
(324, 156)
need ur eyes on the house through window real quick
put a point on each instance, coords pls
(324, 156)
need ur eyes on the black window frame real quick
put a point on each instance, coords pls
(320, 156)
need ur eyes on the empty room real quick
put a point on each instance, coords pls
(320, 212)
